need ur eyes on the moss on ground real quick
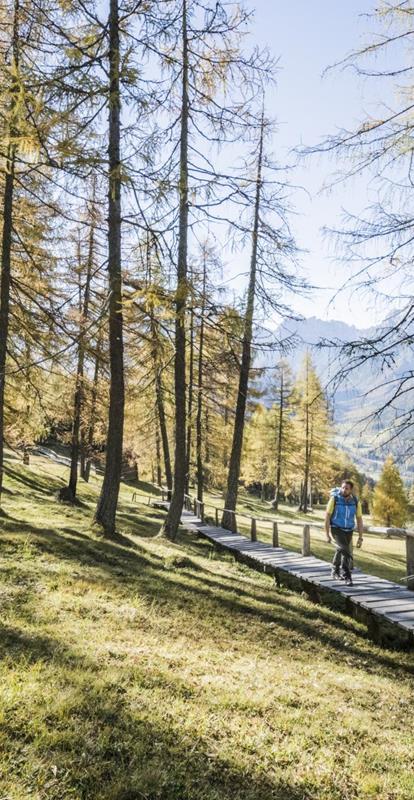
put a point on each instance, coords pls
(140, 669)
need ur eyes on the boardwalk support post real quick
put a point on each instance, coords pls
(217, 518)
(306, 551)
(409, 540)
(253, 530)
(275, 535)
(201, 507)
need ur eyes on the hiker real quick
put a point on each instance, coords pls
(341, 511)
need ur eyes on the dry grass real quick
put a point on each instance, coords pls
(138, 669)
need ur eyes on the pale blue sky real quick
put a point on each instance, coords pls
(307, 37)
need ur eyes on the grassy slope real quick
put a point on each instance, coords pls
(140, 669)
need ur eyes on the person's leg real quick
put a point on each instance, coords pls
(346, 555)
(336, 561)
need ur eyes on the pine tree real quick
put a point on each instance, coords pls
(390, 502)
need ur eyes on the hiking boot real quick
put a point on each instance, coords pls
(335, 574)
(348, 579)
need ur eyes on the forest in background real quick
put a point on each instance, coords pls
(136, 154)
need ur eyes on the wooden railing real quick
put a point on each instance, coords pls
(199, 510)
(198, 507)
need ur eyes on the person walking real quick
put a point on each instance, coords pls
(341, 512)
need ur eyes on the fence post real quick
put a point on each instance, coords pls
(409, 543)
(195, 507)
(275, 535)
(253, 530)
(306, 541)
(217, 519)
(201, 507)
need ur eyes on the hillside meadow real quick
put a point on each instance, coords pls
(137, 668)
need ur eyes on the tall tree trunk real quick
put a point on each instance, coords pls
(7, 241)
(199, 421)
(68, 493)
(207, 433)
(304, 498)
(238, 431)
(5, 295)
(226, 421)
(275, 503)
(190, 403)
(170, 527)
(107, 504)
(159, 403)
(94, 399)
(158, 453)
(164, 433)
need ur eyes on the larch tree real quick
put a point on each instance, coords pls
(285, 443)
(271, 277)
(313, 429)
(389, 501)
(217, 86)
(105, 513)
(11, 133)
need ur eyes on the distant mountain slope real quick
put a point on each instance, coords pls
(350, 402)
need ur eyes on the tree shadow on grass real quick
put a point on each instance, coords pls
(145, 527)
(16, 643)
(124, 561)
(110, 747)
(39, 485)
(146, 574)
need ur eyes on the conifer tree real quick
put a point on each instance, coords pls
(390, 502)
(313, 429)
(285, 442)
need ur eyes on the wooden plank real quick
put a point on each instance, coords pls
(403, 618)
(390, 605)
(377, 597)
(384, 599)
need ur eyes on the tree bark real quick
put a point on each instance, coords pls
(190, 403)
(238, 431)
(68, 493)
(159, 403)
(107, 504)
(304, 497)
(158, 453)
(7, 243)
(94, 399)
(170, 527)
(199, 420)
(275, 503)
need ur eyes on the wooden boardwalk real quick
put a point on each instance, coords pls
(387, 608)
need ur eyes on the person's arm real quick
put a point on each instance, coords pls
(360, 524)
(329, 511)
(327, 527)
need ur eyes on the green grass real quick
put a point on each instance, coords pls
(142, 670)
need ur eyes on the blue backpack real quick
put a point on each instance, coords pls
(344, 512)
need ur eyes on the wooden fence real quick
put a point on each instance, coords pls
(199, 509)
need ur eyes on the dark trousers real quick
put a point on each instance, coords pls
(343, 556)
